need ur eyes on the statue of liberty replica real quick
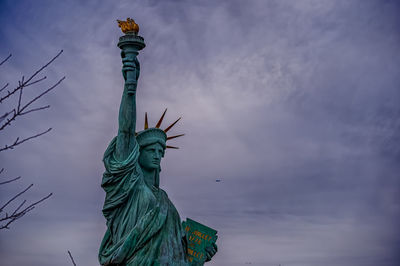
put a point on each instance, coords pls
(143, 226)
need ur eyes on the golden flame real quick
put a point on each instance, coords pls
(128, 26)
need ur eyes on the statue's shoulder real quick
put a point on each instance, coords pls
(163, 192)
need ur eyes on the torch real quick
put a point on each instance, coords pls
(130, 44)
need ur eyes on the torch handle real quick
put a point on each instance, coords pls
(130, 71)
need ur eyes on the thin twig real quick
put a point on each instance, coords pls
(36, 81)
(9, 181)
(20, 95)
(35, 109)
(72, 259)
(16, 196)
(20, 110)
(8, 57)
(43, 93)
(5, 86)
(8, 122)
(43, 67)
(6, 119)
(5, 115)
(18, 142)
(39, 201)
(16, 215)
(10, 93)
(11, 220)
(19, 207)
(24, 84)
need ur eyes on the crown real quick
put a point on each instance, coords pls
(128, 26)
(155, 134)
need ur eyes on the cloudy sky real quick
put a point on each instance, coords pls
(294, 105)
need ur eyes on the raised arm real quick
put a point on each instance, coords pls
(127, 110)
(130, 45)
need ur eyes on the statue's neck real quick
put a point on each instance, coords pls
(151, 177)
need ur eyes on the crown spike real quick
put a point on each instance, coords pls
(146, 122)
(161, 119)
(172, 147)
(172, 137)
(168, 128)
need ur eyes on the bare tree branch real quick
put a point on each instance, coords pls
(19, 207)
(24, 83)
(36, 81)
(20, 94)
(9, 181)
(5, 115)
(8, 219)
(19, 109)
(5, 218)
(35, 109)
(43, 93)
(5, 86)
(72, 259)
(18, 142)
(8, 57)
(43, 67)
(9, 93)
(16, 196)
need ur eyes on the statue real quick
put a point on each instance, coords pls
(143, 226)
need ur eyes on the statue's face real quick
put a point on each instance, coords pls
(150, 156)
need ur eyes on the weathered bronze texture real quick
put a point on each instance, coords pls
(143, 226)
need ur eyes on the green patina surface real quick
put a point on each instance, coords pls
(143, 226)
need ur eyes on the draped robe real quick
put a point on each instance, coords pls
(143, 226)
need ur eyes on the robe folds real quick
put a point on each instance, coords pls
(143, 226)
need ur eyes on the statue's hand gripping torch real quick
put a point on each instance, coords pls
(130, 71)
